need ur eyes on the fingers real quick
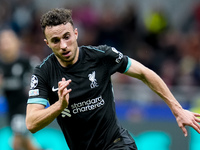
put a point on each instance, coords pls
(197, 120)
(188, 118)
(62, 85)
(196, 114)
(65, 92)
(196, 126)
(184, 130)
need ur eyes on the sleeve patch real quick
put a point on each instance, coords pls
(120, 55)
(34, 81)
(34, 92)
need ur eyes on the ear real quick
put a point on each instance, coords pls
(76, 32)
(45, 40)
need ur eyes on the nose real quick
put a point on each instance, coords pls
(63, 44)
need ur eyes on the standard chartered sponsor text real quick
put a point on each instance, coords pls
(87, 105)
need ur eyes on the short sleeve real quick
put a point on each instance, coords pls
(115, 60)
(38, 92)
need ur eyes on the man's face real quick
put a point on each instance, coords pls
(62, 39)
(9, 45)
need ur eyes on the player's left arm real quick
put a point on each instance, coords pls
(150, 78)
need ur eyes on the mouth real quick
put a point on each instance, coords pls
(66, 54)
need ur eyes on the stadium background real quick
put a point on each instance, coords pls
(163, 35)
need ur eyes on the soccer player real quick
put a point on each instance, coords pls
(76, 81)
(14, 72)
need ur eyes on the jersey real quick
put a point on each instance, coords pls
(90, 121)
(16, 77)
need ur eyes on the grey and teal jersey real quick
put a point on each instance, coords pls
(90, 121)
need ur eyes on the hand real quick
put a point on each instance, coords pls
(63, 92)
(188, 118)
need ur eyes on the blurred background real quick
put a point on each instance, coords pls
(163, 35)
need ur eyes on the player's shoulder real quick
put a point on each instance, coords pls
(46, 64)
(47, 61)
(97, 49)
(95, 52)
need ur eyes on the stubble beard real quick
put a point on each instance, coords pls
(72, 59)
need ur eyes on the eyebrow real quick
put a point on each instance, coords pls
(67, 33)
(54, 38)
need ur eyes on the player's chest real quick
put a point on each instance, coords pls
(84, 81)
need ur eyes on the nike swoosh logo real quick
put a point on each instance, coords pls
(54, 90)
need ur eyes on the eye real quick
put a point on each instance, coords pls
(55, 40)
(66, 36)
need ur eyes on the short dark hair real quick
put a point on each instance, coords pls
(55, 17)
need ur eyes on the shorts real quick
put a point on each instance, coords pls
(123, 143)
(120, 145)
(18, 124)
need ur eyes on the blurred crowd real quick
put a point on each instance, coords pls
(173, 53)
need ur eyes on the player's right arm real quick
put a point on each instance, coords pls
(37, 117)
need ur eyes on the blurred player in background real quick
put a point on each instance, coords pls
(76, 82)
(15, 72)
